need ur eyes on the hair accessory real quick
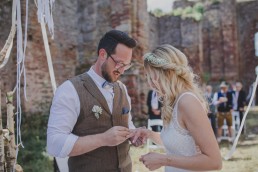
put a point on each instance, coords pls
(154, 60)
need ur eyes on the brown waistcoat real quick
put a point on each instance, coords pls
(103, 159)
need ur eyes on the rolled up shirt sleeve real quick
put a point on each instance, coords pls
(64, 112)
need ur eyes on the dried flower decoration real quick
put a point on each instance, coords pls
(97, 111)
(154, 60)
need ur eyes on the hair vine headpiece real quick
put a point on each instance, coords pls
(154, 60)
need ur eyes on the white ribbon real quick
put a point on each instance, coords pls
(49, 59)
(45, 13)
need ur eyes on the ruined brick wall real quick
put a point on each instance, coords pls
(212, 43)
(153, 32)
(230, 40)
(184, 35)
(190, 45)
(79, 26)
(63, 51)
(221, 46)
(247, 22)
(170, 31)
(135, 78)
(220, 50)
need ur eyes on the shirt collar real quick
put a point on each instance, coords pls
(101, 82)
(96, 78)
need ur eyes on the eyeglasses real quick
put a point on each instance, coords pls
(120, 65)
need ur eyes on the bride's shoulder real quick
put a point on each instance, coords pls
(188, 100)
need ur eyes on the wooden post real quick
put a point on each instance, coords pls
(2, 158)
(11, 147)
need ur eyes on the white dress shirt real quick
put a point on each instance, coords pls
(235, 99)
(216, 98)
(65, 110)
(154, 100)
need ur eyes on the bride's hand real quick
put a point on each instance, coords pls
(152, 160)
(140, 136)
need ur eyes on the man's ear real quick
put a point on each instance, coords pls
(102, 53)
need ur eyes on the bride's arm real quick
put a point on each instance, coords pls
(195, 120)
(155, 137)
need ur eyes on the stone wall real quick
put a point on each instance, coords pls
(220, 42)
(247, 22)
(220, 46)
(79, 26)
(184, 35)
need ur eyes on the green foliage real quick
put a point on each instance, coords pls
(157, 12)
(215, 2)
(198, 7)
(33, 156)
(177, 12)
(195, 12)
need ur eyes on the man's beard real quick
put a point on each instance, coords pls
(105, 74)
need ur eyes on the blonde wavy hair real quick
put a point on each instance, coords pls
(169, 74)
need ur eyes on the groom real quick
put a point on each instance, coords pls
(90, 115)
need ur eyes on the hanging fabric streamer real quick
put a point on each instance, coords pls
(230, 153)
(20, 56)
(45, 15)
(49, 59)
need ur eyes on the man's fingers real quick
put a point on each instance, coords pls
(130, 135)
(121, 128)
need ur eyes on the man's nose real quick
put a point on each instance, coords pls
(121, 70)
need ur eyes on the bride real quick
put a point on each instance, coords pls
(187, 134)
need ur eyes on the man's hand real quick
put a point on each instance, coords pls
(223, 99)
(116, 135)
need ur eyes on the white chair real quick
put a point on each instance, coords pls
(236, 121)
(225, 135)
(153, 122)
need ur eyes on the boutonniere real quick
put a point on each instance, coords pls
(97, 111)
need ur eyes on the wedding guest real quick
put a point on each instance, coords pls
(224, 102)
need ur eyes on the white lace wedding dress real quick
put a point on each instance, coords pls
(178, 140)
